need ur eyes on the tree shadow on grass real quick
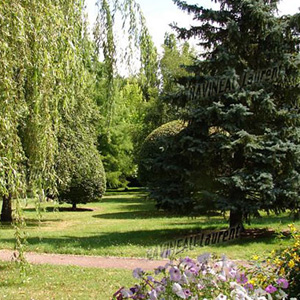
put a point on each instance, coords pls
(134, 214)
(59, 209)
(140, 238)
(30, 223)
(125, 200)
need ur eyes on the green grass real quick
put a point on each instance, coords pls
(61, 283)
(127, 225)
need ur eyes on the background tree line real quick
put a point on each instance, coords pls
(64, 108)
(67, 114)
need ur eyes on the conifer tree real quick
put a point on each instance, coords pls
(242, 97)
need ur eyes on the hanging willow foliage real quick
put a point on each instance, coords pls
(45, 108)
(139, 47)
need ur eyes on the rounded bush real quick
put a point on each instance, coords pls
(162, 167)
(158, 145)
(87, 183)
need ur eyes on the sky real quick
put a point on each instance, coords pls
(160, 13)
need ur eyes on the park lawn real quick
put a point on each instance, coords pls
(45, 282)
(127, 225)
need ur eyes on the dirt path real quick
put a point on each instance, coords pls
(86, 261)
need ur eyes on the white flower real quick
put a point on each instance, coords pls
(283, 294)
(236, 286)
(217, 265)
(239, 294)
(221, 277)
(260, 292)
(177, 289)
(221, 297)
(232, 273)
(184, 279)
(153, 295)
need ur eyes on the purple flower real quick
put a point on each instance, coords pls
(175, 274)
(194, 270)
(160, 289)
(137, 273)
(150, 278)
(249, 286)
(134, 289)
(242, 279)
(270, 289)
(159, 270)
(187, 260)
(203, 258)
(283, 283)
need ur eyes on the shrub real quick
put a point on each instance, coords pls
(87, 181)
(161, 168)
(157, 144)
(176, 181)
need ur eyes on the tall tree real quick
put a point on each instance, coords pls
(242, 99)
(44, 94)
(174, 60)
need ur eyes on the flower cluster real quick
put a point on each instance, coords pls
(203, 279)
(287, 262)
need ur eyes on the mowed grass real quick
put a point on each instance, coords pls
(127, 225)
(61, 283)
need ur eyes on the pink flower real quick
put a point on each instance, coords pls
(283, 283)
(271, 289)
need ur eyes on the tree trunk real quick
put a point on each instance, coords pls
(74, 206)
(6, 213)
(236, 218)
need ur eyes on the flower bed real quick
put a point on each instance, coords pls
(207, 278)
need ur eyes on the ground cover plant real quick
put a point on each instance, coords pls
(127, 225)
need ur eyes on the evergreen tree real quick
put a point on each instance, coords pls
(242, 99)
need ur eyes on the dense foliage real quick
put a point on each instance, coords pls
(123, 102)
(46, 108)
(242, 99)
(87, 182)
(159, 165)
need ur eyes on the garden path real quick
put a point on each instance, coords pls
(92, 261)
(85, 260)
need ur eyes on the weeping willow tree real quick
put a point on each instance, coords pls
(46, 112)
(135, 56)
